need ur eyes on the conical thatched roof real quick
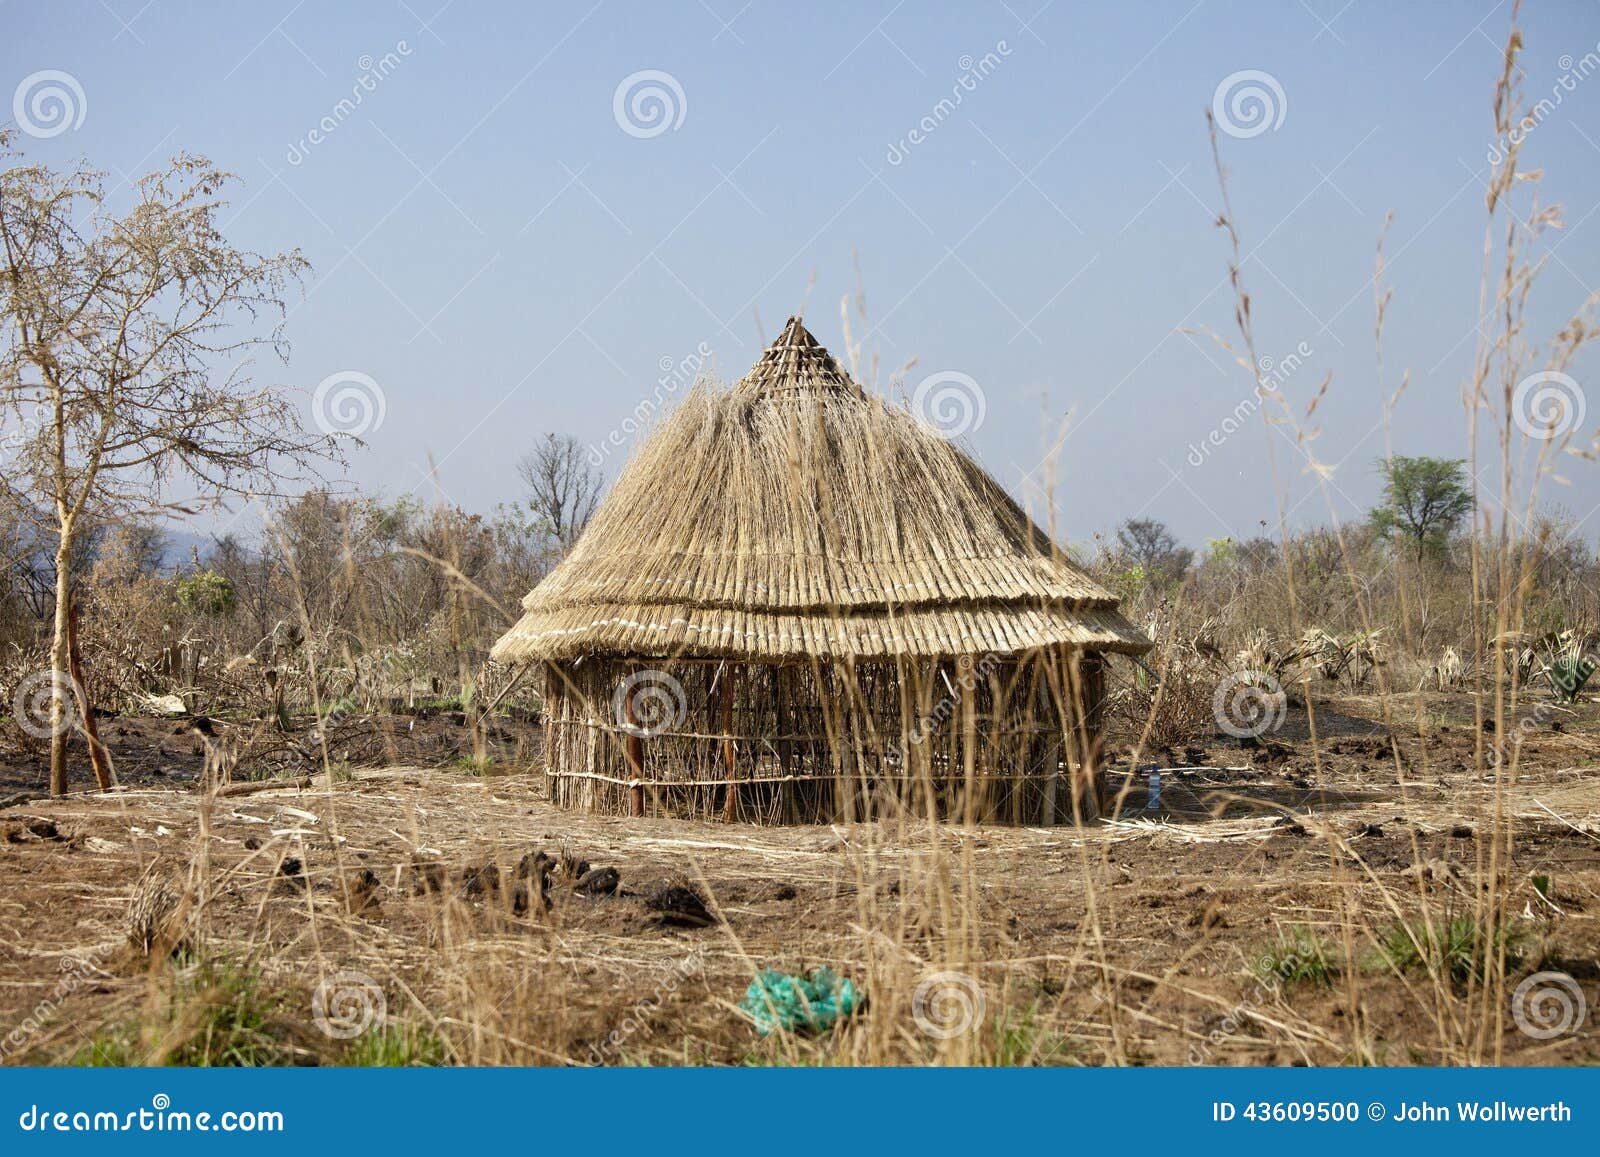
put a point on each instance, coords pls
(796, 516)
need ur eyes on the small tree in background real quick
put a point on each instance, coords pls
(1149, 545)
(1424, 501)
(563, 488)
(121, 363)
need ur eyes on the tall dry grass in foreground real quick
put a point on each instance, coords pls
(1466, 951)
(486, 977)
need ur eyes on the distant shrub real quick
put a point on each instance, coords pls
(206, 592)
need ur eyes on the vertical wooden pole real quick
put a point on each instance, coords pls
(1040, 748)
(635, 748)
(1071, 673)
(1092, 683)
(976, 805)
(731, 806)
(557, 750)
(546, 725)
(780, 709)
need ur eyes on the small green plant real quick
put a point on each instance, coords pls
(1568, 672)
(340, 708)
(396, 1046)
(109, 1047)
(1297, 956)
(1024, 1038)
(474, 764)
(213, 1014)
(1458, 947)
(228, 1017)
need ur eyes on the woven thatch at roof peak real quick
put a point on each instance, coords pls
(797, 363)
(796, 515)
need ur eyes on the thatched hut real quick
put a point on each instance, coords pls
(800, 603)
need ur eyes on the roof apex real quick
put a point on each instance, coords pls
(797, 363)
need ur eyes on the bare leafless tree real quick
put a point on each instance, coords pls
(563, 487)
(124, 360)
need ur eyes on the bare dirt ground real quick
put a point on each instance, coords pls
(150, 752)
(1151, 939)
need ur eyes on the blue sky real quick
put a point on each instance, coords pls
(497, 251)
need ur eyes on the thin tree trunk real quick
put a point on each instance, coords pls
(99, 757)
(60, 679)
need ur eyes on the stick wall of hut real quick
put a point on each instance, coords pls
(995, 740)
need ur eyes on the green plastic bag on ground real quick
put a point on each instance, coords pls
(777, 1000)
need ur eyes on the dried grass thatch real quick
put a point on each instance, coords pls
(796, 517)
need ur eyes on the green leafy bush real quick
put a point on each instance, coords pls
(206, 592)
